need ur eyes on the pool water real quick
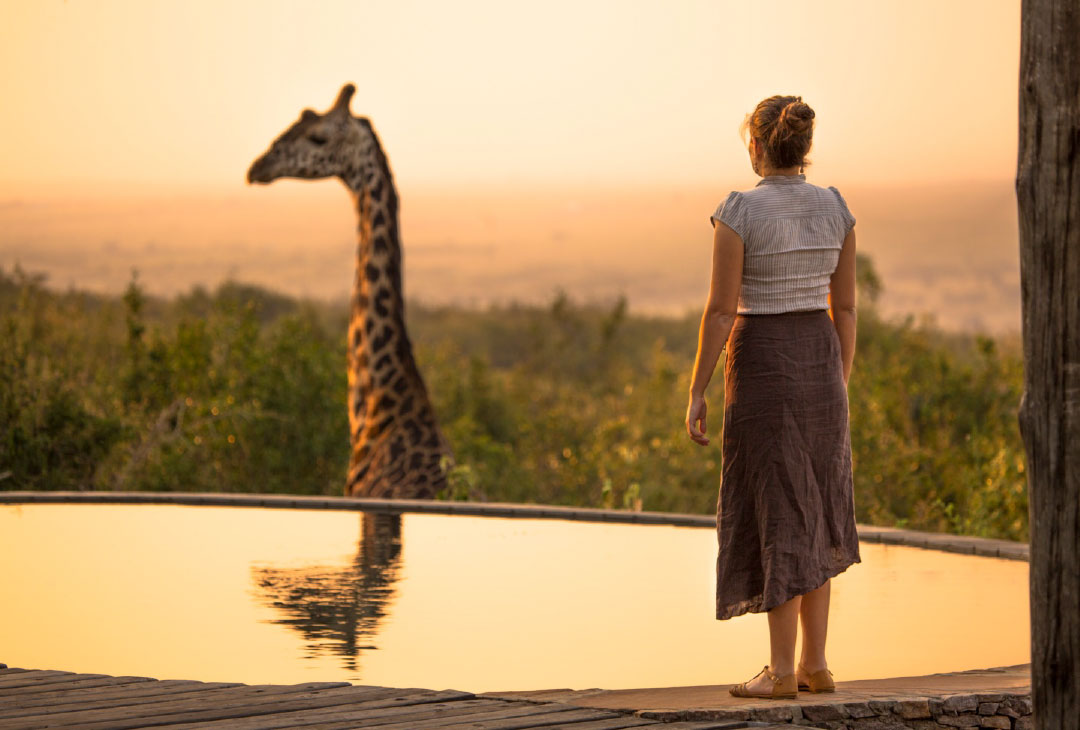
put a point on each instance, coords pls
(260, 595)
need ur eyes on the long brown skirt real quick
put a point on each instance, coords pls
(785, 516)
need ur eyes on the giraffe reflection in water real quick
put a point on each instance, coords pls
(337, 609)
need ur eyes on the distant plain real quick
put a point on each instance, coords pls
(947, 251)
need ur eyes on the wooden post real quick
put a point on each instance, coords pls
(1048, 199)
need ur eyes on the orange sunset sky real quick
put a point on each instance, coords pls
(612, 91)
(576, 145)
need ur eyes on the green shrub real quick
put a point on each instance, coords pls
(242, 389)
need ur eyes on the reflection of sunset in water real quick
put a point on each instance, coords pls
(474, 603)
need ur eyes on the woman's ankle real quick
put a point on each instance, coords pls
(785, 670)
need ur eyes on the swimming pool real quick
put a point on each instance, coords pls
(260, 595)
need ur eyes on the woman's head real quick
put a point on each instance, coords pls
(781, 130)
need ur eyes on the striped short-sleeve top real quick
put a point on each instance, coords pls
(792, 232)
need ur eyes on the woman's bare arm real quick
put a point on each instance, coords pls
(842, 302)
(716, 322)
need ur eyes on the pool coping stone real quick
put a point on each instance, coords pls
(994, 697)
(983, 546)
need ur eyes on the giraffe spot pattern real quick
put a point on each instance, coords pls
(381, 294)
(396, 449)
(404, 348)
(393, 272)
(383, 362)
(386, 461)
(377, 429)
(382, 339)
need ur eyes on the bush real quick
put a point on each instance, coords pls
(243, 389)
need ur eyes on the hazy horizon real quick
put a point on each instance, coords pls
(949, 250)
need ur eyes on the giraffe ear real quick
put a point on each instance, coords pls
(344, 96)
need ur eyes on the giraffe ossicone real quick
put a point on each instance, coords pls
(397, 448)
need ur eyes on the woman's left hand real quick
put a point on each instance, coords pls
(695, 414)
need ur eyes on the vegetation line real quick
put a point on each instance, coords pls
(575, 404)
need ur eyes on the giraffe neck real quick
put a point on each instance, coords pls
(383, 376)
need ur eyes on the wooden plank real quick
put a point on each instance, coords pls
(11, 670)
(40, 675)
(199, 699)
(517, 715)
(108, 691)
(560, 716)
(290, 717)
(510, 711)
(567, 717)
(616, 723)
(71, 702)
(73, 686)
(350, 716)
(466, 721)
(58, 680)
(717, 725)
(434, 711)
(68, 699)
(32, 673)
(185, 712)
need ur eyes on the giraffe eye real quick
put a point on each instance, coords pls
(317, 140)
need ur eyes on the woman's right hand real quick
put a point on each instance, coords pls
(695, 414)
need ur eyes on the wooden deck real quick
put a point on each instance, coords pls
(56, 699)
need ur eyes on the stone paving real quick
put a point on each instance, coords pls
(982, 698)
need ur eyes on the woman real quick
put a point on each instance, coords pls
(782, 296)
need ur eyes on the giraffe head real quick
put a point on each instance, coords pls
(314, 146)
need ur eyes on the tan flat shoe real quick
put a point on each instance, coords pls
(783, 687)
(820, 681)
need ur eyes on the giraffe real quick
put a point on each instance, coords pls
(397, 448)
